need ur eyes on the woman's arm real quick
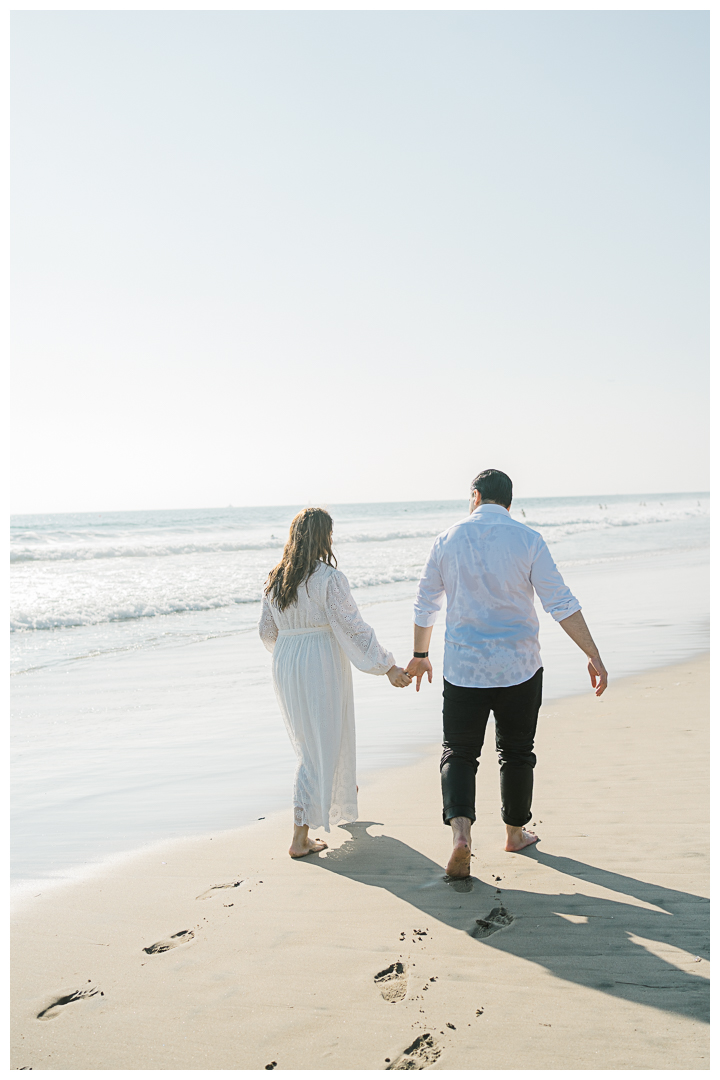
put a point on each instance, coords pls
(267, 626)
(356, 638)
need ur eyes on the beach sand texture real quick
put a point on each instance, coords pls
(587, 952)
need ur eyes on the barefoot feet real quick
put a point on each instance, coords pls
(302, 844)
(459, 864)
(518, 838)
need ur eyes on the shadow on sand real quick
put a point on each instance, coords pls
(596, 946)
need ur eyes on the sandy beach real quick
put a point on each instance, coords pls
(587, 952)
(292, 289)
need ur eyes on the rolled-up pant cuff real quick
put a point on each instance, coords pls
(450, 812)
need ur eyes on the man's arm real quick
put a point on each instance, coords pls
(417, 666)
(577, 629)
(559, 602)
(431, 590)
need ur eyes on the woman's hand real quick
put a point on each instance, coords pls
(397, 676)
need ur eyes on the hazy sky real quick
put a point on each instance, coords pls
(286, 257)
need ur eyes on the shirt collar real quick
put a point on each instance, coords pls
(490, 508)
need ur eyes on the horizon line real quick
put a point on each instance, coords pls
(329, 502)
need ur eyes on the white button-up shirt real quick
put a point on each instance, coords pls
(488, 566)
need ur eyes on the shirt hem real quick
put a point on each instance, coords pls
(493, 685)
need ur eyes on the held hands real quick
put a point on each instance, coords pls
(398, 677)
(598, 675)
(417, 668)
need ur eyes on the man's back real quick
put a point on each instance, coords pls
(488, 565)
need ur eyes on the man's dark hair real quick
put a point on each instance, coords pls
(494, 486)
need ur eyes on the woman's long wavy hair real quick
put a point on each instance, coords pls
(310, 542)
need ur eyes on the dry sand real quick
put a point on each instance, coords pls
(587, 952)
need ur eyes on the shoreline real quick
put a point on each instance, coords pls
(603, 935)
(20, 888)
(119, 751)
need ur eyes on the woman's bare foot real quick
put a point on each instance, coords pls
(302, 844)
(459, 864)
(518, 838)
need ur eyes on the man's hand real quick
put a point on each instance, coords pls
(417, 668)
(577, 629)
(598, 675)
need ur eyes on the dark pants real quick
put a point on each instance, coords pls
(466, 710)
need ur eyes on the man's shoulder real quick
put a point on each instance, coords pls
(522, 527)
(502, 521)
(458, 525)
(453, 531)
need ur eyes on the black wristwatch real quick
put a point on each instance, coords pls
(421, 655)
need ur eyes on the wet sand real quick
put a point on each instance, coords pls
(115, 751)
(586, 952)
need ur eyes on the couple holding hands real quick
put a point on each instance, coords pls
(488, 566)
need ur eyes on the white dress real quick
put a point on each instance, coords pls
(313, 642)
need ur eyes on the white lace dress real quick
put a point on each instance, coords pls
(313, 642)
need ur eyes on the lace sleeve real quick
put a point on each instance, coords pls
(267, 627)
(356, 638)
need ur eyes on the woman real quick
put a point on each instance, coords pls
(311, 625)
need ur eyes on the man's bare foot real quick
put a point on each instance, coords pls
(303, 845)
(518, 838)
(459, 864)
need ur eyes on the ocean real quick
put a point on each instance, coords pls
(142, 706)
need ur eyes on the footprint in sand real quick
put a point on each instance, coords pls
(393, 982)
(181, 938)
(214, 888)
(498, 919)
(423, 1052)
(461, 885)
(51, 1011)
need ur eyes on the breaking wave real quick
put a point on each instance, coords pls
(93, 614)
(553, 527)
(45, 552)
(73, 571)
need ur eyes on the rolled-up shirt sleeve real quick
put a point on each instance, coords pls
(555, 596)
(431, 590)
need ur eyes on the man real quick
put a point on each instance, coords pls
(488, 566)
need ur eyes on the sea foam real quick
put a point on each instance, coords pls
(86, 570)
